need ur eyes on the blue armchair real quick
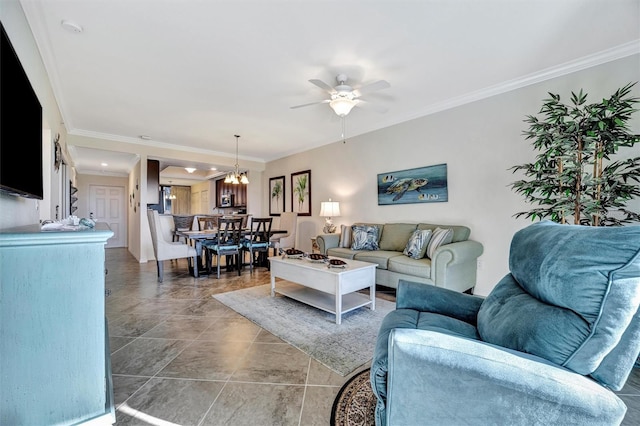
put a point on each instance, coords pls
(546, 346)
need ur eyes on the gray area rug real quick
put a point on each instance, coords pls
(342, 348)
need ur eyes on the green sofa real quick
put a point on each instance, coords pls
(452, 266)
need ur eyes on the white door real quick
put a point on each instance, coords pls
(107, 204)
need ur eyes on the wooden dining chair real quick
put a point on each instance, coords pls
(226, 243)
(181, 223)
(258, 241)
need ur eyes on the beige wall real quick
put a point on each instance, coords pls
(17, 211)
(479, 142)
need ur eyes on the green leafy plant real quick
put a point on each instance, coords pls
(277, 192)
(573, 176)
(301, 190)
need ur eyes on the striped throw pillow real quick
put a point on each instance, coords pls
(345, 236)
(439, 238)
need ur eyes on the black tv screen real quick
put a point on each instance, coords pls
(20, 127)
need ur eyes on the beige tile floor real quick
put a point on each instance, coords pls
(179, 357)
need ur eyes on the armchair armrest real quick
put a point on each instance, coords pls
(327, 241)
(454, 380)
(427, 298)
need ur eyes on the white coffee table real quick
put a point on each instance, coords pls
(333, 290)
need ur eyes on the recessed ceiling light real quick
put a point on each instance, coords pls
(104, 164)
(71, 26)
(213, 168)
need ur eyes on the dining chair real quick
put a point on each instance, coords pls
(244, 217)
(164, 248)
(289, 223)
(258, 241)
(181, 223)
(208, 222)
(225, 243)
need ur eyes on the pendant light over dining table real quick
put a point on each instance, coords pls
(236, 177)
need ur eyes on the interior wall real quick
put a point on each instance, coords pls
(18, 211)
(479, 142)
(135, 234)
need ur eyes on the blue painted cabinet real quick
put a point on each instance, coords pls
(54, 358)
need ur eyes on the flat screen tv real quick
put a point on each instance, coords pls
(20, 127)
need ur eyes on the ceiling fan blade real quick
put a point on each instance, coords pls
(371, 87)
(367, 105)
(326, 101)
(321, 84)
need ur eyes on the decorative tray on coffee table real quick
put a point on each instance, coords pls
(292, 254)
(316, 258)
(336, 263)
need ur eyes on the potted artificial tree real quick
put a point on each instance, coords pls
(573, 177)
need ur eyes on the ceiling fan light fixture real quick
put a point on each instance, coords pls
(342, 105)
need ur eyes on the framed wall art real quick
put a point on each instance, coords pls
(421, 185)
(301, 193)
(277, 196)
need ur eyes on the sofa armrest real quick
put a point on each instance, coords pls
(327, 241)
(455, 253)
(454, 380)
(456, 261)
(427, 298)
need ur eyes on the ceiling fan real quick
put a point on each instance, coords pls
(344, 97)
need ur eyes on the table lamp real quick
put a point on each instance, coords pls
(329, 209)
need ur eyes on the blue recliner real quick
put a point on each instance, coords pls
(546, 346)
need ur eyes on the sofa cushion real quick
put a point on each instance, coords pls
(345, 253)
(460, 233)
(417, 245)
(440, 237)
(395, 236)
(364, 237)
(406, 265)
(571, 293)
(379, 257)
(345, 236)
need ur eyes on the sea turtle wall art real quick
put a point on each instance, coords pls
(421, 185)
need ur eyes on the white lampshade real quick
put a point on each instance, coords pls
(329, 209)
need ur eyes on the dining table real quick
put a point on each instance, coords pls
(198, 236)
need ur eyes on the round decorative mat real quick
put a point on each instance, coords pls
(355, 403)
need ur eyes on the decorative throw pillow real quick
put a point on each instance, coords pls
(439, 238)
(417, 244)
(364, 237)
(345, 236)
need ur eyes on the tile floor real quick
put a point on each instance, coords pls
(179, 357)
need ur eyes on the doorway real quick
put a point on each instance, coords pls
(107, 204)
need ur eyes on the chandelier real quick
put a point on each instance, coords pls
(237, 177)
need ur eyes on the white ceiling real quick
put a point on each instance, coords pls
(191, 74)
